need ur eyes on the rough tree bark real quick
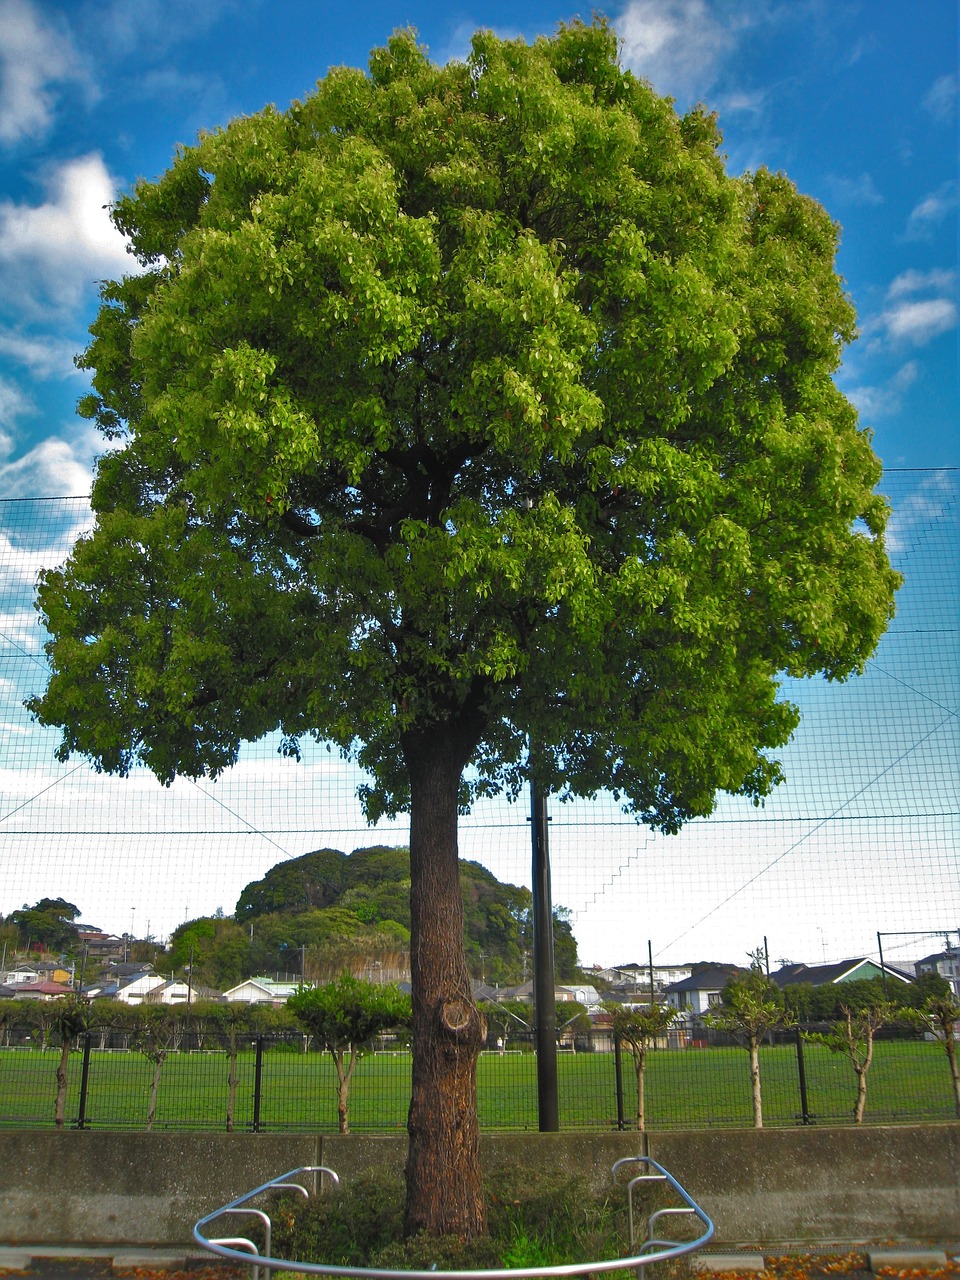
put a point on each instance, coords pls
(444, 1191)
(753, 1044)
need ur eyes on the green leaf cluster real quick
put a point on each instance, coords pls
(349, 1014)
(481, 398)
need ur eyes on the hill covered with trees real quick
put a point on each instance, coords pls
(333, 911)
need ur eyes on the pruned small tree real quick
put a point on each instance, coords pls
(505, 1018)
(852, 1035)
(639, 1029)
(751, 1007)
(940, 1016)
(158, 1029)
(71, 1018)
(345, 1017)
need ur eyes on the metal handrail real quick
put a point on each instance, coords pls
(669, 1248)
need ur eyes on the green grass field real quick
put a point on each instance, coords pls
(685, 1089)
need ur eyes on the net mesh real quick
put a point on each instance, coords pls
(860, 840)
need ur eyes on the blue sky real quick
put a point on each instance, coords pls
(855, 101)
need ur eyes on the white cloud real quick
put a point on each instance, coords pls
(22, 563)
(857, 191)
(54, 467)
(749, 103)
(152, 26)
(18, 627)
(941, 98)
(929, 504)
(680, 45)
(910, 319)
(51, 254)
(35, 56)
(908, 282)
(931, 211)
(881, 401)
(14, 404)
(44, 357)
(920, 322)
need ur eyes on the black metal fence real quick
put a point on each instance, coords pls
(282, 1083)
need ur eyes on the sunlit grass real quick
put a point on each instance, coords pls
(685, 1088)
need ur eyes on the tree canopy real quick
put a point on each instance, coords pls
(324, 894)
(496, 358)
(49, 922)
(469, 415)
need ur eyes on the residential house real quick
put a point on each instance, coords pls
(46, 989)
(946, 964)
(99, 945)
(179, 991)
(137, 989)
(820, 975)
(263, 991)
(634, 979)
(702, 991)
(22, 973)
(581, 992)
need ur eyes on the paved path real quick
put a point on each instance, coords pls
(74, 1263)
(39, 1262)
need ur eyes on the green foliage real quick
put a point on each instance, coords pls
(507, 1018)
(572, 1016)
(344, 1017)
(458, 409)
(807, 1003)
(491, 376)
(71, 1017)
(365, 911)
(852, 1035)
(350, 1013)
(49, 922)
(296, 884)
(542, 1219)
(641, 1027)
(218, 949)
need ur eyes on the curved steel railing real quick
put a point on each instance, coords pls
(653, 1249)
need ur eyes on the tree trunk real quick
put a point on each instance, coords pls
(861, 1069)
(861, 1101)
(232, 1077)
(158, 1061)
(754, 1047)
(951, 1047)
(444, 1191)
(62, 1071)
(640, 1065)
(343, 1087)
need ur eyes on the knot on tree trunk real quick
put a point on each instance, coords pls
(462, 1020)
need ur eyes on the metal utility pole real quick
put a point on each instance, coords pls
(650, 965)
(544, 984)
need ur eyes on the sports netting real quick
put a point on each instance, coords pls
(860, 839)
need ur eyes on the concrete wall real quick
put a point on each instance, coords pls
(828, 1185)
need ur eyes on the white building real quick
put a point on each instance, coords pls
(262, 991)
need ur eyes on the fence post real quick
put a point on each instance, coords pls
(618, 1068)
(84, 1078)
(257, 1085)
(805, 1116)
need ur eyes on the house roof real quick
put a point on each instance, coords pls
(952, 954)
(713, 978)
(46, 988)
(820, 975)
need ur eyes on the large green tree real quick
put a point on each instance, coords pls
(457, 409)
(49, 922)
